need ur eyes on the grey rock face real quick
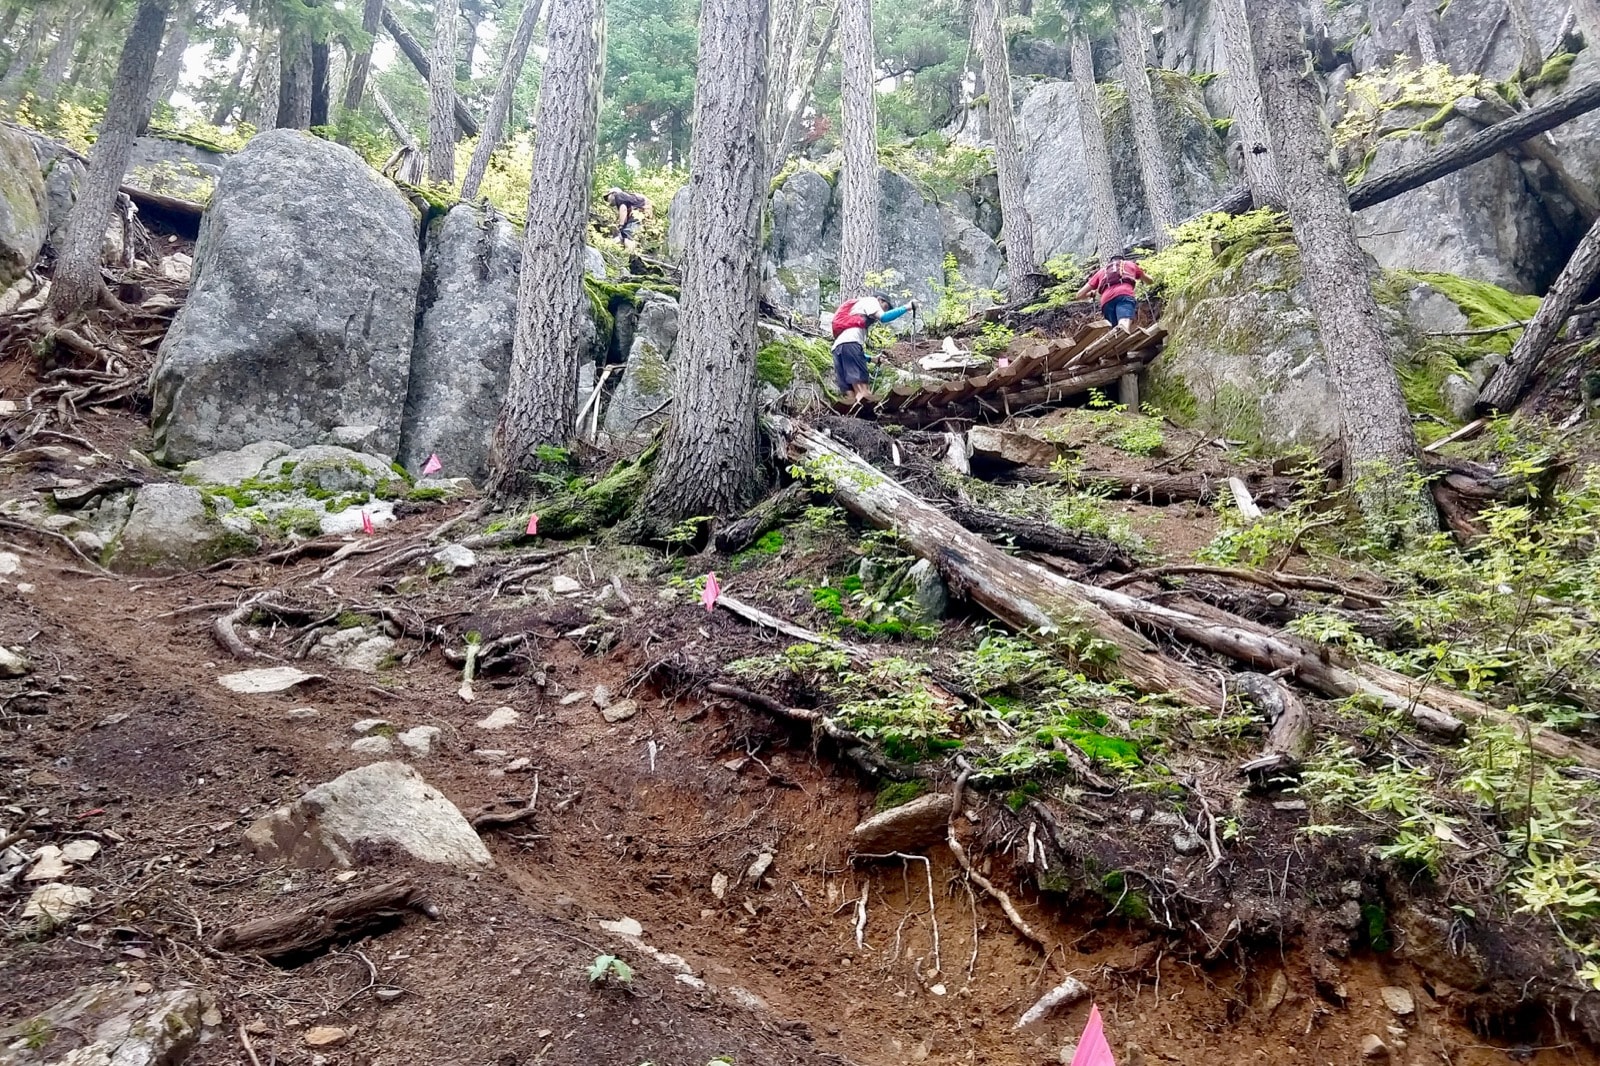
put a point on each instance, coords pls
(24, 211)
(174, 168)
(908, 827)
(343, 821)
(115, 1025)
(647, 378)
(171, 529)
(978, 258)
(1481, 222)
(461, 358)
(301, 313)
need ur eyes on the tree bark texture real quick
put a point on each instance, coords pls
(791, 115)
(321, 78)
(169, 68)
(361, 62)
(1016, 225)
(1249, 112)
(710, 462)
(26, 56)
(8, 22)
(77, 283)
(313, 929)
(1532, 55)
(494, 123)
(294, 78)
(1377, 426)
(1424, 20)
(419, 59)
(1102, 194)
(861, 245)
(552, 307)
(1509, 382)
(59, 61)
(442, 95)
(1153, 169)
(786, 44)
(260, 109)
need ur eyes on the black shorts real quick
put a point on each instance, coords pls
(629, 229)
(849, 365)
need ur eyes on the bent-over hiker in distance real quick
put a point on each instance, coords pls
(1114, 284)
(632, 210)
(850, 324)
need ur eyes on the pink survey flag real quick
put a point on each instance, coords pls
(711, 592)
(366, 523)
(432, 466)
(1002, 361)
(1093, 1049)
(533, 525)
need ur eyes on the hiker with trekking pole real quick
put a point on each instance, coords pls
(1114, 284)
(850, 324)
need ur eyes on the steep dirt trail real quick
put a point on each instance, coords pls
(136, 739)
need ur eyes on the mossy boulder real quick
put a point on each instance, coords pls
(24, 211)
(174, 528)
(636, 405)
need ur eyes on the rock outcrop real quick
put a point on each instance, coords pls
(114, 1024)
(461, 356)
(301, 313)
(358, 814)
(173, 528)
(24, 210)
(636, 403)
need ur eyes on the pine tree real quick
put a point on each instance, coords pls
(76, 283)
(1153, 168)
(1097, 158)
(494, 123)
(1022, 257)
(710, 460)
(442, 95)
(861, 244)
(1249, 111)
(552, 307)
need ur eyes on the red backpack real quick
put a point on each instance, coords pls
(1113, 275)
(847, 317)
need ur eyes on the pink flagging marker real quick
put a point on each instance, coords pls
(533, 525)
(366, 523)
(432, 466)
(712, 590)
(1093, 1049)
(1003, 362)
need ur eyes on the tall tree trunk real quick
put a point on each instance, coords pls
(1249, 112)
(471, 15)
(8, 22)
(710, 461)
(1102, 193)
(27, 55)
(1379, 445)
(786, 47)
(294, 78)
(442, 95)
(1532, 55)
(59, 61)
(861, 245)
(169, 68)
(228, 101)
(1153, 168)
(785, 139)
(552, 306)
(1022, 257)
(361, 62)
(1424, 20)
(419, 59)
(77, 283)
(494, 123)
(1511, 380)
(260, 108)
(319, 83)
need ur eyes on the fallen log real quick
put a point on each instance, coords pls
(1289, 734)
(853, 747)
(1032, 598)
(419, 59)
(1163, 490)
(312, 929)
(1030, 534)
(761, 519)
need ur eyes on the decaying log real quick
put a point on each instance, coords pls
(419, 59)
(1030, 534)
(1162, 489)
(310, 930)
(1032, 598)
(1289, 734)
(764, 517)
(853, 747)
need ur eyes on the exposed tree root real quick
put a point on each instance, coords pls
(1018, 922)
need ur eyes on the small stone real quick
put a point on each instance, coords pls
(418, 740)
(48, 865)
(12, 664)
(620, 711)
(1350, 890)
(1187, 843)
(623, 927)
(518, 764)
(300, 714)
(80, 851)
(719, 885)
(10, 563)
(1349, 915)
(1166, 819)
(266, 681)
(759, 868)
(326, 1036)
(367, 725)
(344, 877)
(489, 754)
(602, 696)
(57, 902)
(562, 585)
(89, 542)
(1136, 815)
(1373, 1047)
(499, 718)
(1277, 992)
(909, 827)
(1397, 999)
(456, 557)
(387, 995)
(378, 745)
(1289, 805)
(573, 697)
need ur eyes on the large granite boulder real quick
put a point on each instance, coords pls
(798, 256)
(1057, 193)
(1482, 222)
(978, 259)
(636, 404)
(172, 167)
(461, 357)
(24, 211)
(301, 313)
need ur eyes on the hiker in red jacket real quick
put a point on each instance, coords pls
(850, 324)
(1114, 283)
